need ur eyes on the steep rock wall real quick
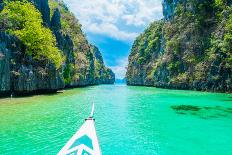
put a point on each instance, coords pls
(189, 49)
(20, 74)
(43, 7)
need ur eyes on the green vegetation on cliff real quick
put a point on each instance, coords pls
(44, 49)
(191, 50)
(23, 20)
(83, 63)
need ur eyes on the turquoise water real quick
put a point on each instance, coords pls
(129, 120)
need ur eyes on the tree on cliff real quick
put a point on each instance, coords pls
(191, 48)
(23, 20)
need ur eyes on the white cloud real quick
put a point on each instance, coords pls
(120, 68)
(144, 12)
(117, 19)
(113, 17)
(111, 30)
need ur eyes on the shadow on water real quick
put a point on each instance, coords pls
(228, 100)
(204, 112)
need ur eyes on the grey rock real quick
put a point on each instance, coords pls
(165, 68)
(43, 7)
(22, 75)
(5, 58)
(55, 22)
(1, 5)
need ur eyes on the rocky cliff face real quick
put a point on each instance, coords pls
(189, 49)
(21, 74)
(84, 63)
(102, 74)
(1, 5)
(169, 7)
(5, 67)
(43, 7)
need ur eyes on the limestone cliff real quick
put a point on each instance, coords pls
(19, 74)
(83, 65)
(102, 74)
(189, 49)
(43, 7)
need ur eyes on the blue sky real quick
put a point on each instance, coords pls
(113, 25)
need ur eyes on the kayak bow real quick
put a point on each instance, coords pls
(84, 141)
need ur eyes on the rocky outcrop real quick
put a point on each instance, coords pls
(35, 79)
(55, 21)
(189, 49)
(103, 75)
(90, 68)
(43, 7)
(64, 41)
(22, 75)
(83, 65)
(5, 58)
(169, 7)
(1, 5)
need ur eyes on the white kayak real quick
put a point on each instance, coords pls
(84, 141)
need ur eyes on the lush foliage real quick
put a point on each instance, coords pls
(70, 25)
(148, 42)
(86, 64)
(67, 74)
(81, 48)
(23, 20)
(194, 47)
(228, 39)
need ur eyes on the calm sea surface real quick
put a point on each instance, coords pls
(129, 121)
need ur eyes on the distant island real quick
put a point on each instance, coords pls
(191, 48)
(43, 49)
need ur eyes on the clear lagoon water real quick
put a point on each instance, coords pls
(129, 121)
